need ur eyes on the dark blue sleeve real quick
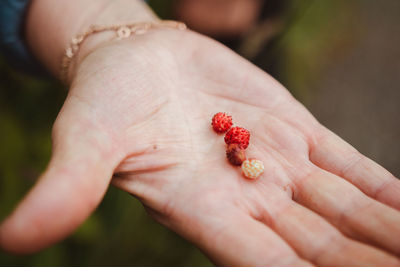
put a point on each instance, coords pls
(12, 43)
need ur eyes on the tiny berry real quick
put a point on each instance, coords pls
(221, 122)
(238, 135)
(235, 154)
(252, 168)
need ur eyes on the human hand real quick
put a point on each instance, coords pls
(139, 111)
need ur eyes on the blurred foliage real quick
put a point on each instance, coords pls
(163, 7)
(120, 233)
(314, 32)
(322, 31)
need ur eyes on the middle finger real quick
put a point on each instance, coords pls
(350, 210)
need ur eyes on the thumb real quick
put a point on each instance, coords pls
(67, 192)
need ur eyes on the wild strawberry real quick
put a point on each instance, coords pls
(235, 154)
(221, 122)
(238, 135)
(252, 168)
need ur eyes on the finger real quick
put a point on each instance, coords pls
(350, 210)
(229, 238)
(236, 239)
(68, 191)
(335, 155)
(315, 239)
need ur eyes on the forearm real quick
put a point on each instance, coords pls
(51, 24)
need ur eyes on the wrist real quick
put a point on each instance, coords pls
(140, 55)
(98, 36)
(48, 33)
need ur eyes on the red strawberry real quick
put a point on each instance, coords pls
(238, 135)
(221, 122)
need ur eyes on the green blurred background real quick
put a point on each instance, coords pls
(341, 58)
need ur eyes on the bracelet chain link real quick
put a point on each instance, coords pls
(122, 31)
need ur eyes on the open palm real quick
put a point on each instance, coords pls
(138, 114)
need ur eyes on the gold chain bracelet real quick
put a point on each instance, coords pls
(122, 31)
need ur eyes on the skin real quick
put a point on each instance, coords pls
(138, 116)
(219, 18)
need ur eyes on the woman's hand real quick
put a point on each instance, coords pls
(138, 114)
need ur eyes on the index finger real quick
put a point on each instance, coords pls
(333, 154)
